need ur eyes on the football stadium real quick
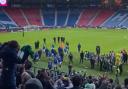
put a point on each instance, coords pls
(63, 44)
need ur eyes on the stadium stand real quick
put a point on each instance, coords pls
(125, 22)
(86, 16)
(17, 16)
(4, 17)
(61, 16)
(116, 19)
(6, 20)
(1, 26)
(73, 17)
(49, 16)
(33, 15)
(101, 17)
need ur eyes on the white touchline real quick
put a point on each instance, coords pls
(3, 2)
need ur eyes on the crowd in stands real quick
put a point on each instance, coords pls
(16, 73)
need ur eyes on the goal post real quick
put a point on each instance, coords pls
(30, 28)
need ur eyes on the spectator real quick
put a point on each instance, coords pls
(28, 66)
(110, 84)
(10, 59)
(126, 83)
(20, 70)
(76, 80)
(63, 83)
(119, 87)
(33, 84)
(24, 78)
(90, 85)
(46, 81)
(104, 84)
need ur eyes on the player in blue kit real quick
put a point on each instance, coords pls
(55, 62)
(50, 65)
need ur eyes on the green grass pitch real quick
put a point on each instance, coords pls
(89, 38)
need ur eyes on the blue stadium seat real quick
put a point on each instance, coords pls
(4, 17)
(61, 16)
(1, 26)
(116, 19)
(5, 20)
(125, 22)
(49, 16)
(73, 17)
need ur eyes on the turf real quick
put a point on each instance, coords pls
(89, 38)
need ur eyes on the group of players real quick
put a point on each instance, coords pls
(105, 62)
(52, 53)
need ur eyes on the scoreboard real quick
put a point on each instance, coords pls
(3, 2)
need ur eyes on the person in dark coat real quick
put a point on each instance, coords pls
(125, 56)
(23, 33)
(44, 40)
(79, 47)
(54, 39)
(63, 39)
(76, 80)
(38, 44)
(58, 39)
(70, 57)
(35, 44)
(98, 50)
(101, 63)
(81, 57)
(10, 59)
(92, 61)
